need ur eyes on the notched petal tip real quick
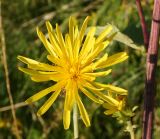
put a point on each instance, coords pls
(22, 59)
(38, 114)
(66, 126)
(20, 68)
(124, 55)
(19, 57)
(66, 119)
(70, 18)
(38, 32)
(108, 112)
(57, 26)
(101, 102)
(49, 26)
(87, 18)
(88, 125)
(28, 101)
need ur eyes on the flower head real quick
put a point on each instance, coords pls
(116, 105)
(76, 64)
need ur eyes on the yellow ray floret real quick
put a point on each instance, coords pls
(112, 108)
(48, 103)
(77, 60)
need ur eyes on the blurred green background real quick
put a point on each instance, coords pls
(20, 19)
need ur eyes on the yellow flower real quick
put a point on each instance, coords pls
(116, 104)
(76, 62)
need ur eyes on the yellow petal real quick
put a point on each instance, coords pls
(88, 85)
(55, 44)
(98, 48)
(83, 111)
(101, 60)
(104, 34)
(91, 32)
(89, 95)
(77, 44)
(83, 28)
(105, 98)
(54, 60)
(50, 75)
(69, 100)
(33, 64)
(89, 78)
(117, 90)
(48, 103)
(121, 105)
(88, 43)
(61, 40)
(28, 60)
(66, 119)
(53, 39)
(42, 78)
(114, 59)
(46, 43)
(112, 88)
(76, 33)
(69, 46)
(95, 52)
(88, 68)
(73, 89)
(68, 96)
(97, 74)
(88, 46)
(49, 26)
(44, 92)
(71, 29)
(76, 49)
(34, 72)
(109, 112)
(108, 106)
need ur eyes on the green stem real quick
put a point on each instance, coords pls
(75, 121)
(130, 129)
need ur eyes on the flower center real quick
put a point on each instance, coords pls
(74, 74)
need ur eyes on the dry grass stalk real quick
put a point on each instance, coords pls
(4, 60)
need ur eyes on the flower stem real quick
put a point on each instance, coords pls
(75, 121)
(130, 130)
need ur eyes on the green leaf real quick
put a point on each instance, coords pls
(119, 36)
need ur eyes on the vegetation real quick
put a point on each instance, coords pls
(20, 19)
